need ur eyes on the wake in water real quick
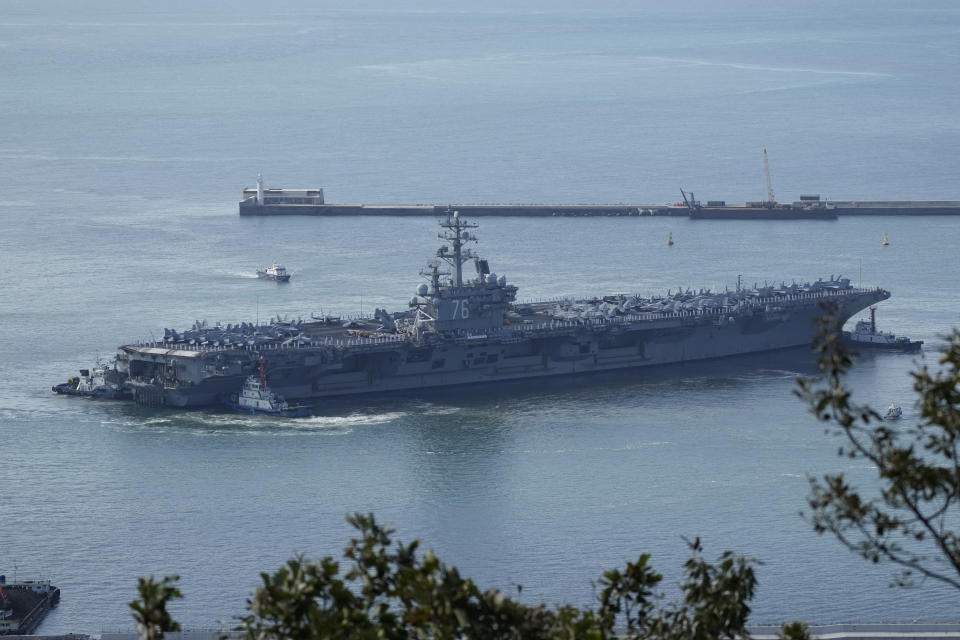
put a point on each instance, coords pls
(630, 446)
(234, 273)
(201, 423)
(767, 374)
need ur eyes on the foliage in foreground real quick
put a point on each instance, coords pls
(910, 522)
(150, 611)
(389, 590)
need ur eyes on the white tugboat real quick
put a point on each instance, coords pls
(103, 381)
(256, 397)
(276, 272)
(866, 336)
(894, 412)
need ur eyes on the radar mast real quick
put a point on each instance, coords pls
(456, 232)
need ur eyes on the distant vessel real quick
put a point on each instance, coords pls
(24, 604)
(866, 336)
(104, 381)
(808, 208)
(894, 412)
(276, 272)
(760, 210)
(256, 397)
(462, 330)
(885, 241)
(670, 240)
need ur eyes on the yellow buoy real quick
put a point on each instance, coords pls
(670, 240)
(885, 241)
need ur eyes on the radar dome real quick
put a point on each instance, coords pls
(503, 281)
(492, 277)
(422, 290)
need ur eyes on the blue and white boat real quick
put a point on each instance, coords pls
(103, 381)
(276, 272)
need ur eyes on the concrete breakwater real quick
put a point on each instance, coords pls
(250, 207)
(262, 201)
(473, 210)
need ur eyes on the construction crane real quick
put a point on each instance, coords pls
(766, 166)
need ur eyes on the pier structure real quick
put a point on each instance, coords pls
(261, 201)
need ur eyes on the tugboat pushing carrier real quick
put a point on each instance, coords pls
(866, 336)
(256, 397)
(104, 381)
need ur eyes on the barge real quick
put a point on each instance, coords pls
(24, 604)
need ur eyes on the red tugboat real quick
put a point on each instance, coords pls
(256, 397)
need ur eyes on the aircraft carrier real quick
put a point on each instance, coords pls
(467, 329)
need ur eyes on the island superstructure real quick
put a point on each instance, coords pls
(462, 329)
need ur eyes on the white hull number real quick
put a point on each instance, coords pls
(460, 309)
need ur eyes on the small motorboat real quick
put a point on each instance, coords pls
(276, 272)
(894, 412)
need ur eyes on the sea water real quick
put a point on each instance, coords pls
(129, 131)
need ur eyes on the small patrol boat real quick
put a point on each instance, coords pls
(256, 397)
(276, 272)
(894, 412)
(866, 336)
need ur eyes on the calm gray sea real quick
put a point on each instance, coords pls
(129, 129)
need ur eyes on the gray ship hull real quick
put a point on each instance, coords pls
(762, 213)
(550, 349)
(461, 331)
